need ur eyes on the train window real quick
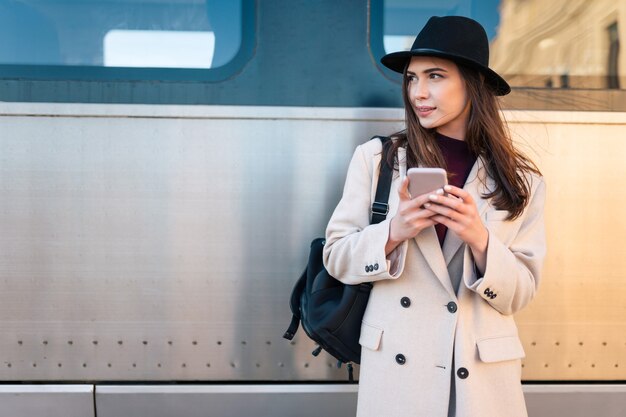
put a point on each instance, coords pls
(205, 34)
(536, 44)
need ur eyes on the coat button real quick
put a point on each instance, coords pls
(462, 373)
(487, 291)
(400, 359)
(452, 307)
(493, 296)
(375, 267)
(405, 302)
(367, 268)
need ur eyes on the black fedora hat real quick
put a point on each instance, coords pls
(457, 38)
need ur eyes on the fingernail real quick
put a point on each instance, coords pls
(439, 191)
(447, 188)
(432, 197)
(427, 205)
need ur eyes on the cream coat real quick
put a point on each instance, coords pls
(475, 326)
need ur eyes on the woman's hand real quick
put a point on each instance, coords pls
(458, 212)
(410, 219)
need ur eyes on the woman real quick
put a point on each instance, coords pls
(450, 267)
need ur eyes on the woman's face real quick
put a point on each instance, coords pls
(438, 95)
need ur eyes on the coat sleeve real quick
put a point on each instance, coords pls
(512, 272)
(355, 249)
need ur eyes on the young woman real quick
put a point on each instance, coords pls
(449, 267)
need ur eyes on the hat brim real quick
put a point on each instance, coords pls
(396, 61)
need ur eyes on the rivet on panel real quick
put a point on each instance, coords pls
(306, 365)
(617, 365)
(268, 343)
(145, 342)
(233, 365)
(9, 365)
(593, 365)
(95, 342)
(158, 365)
(169, 342)
(59, 365)
(533, 343)
(119, 342)
(84, 365)
(34, 365)
(603, 343)
(184, 365)
(45, 342)
(280, 364)
(580, 343)
(134, 365)
(545, 365)
(194, 342)
(258, 365)
(557, 343)
(219, 342)
(243, 342)
(569, 365)
(109, 365)
(19, 342)
(70, 342)
(208, 365)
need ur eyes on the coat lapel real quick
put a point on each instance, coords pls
(428, 244)
(475, 187)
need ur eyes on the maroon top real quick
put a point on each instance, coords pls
(459, 161)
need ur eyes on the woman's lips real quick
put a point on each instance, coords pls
(423, 111)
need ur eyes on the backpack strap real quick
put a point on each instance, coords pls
(380, 208)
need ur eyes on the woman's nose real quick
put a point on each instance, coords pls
(419, 90)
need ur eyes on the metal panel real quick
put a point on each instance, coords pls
(324, 400)
(152, 243)
(575, 400)
(47, 400)
(227, 400)
(161, 243)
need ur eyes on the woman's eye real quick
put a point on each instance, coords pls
(435, 75)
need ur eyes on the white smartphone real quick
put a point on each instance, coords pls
(426, 180)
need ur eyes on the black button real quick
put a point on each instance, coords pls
(367, 268)
(400, 359)
(452, 307)
(493, 296)
(487, 291)
(405, 301)
(462, 373)
(375, 267)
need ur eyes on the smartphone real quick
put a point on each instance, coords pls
(426, 180)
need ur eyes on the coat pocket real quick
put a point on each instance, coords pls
(370, 336)
(498, 349)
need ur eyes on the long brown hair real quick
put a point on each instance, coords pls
(487, 137)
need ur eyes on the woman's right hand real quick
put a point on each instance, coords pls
(410, 219)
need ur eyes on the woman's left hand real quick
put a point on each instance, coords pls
(458, 212)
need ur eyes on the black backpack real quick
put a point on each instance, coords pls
(330, 311)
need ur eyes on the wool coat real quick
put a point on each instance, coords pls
(417, 331)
